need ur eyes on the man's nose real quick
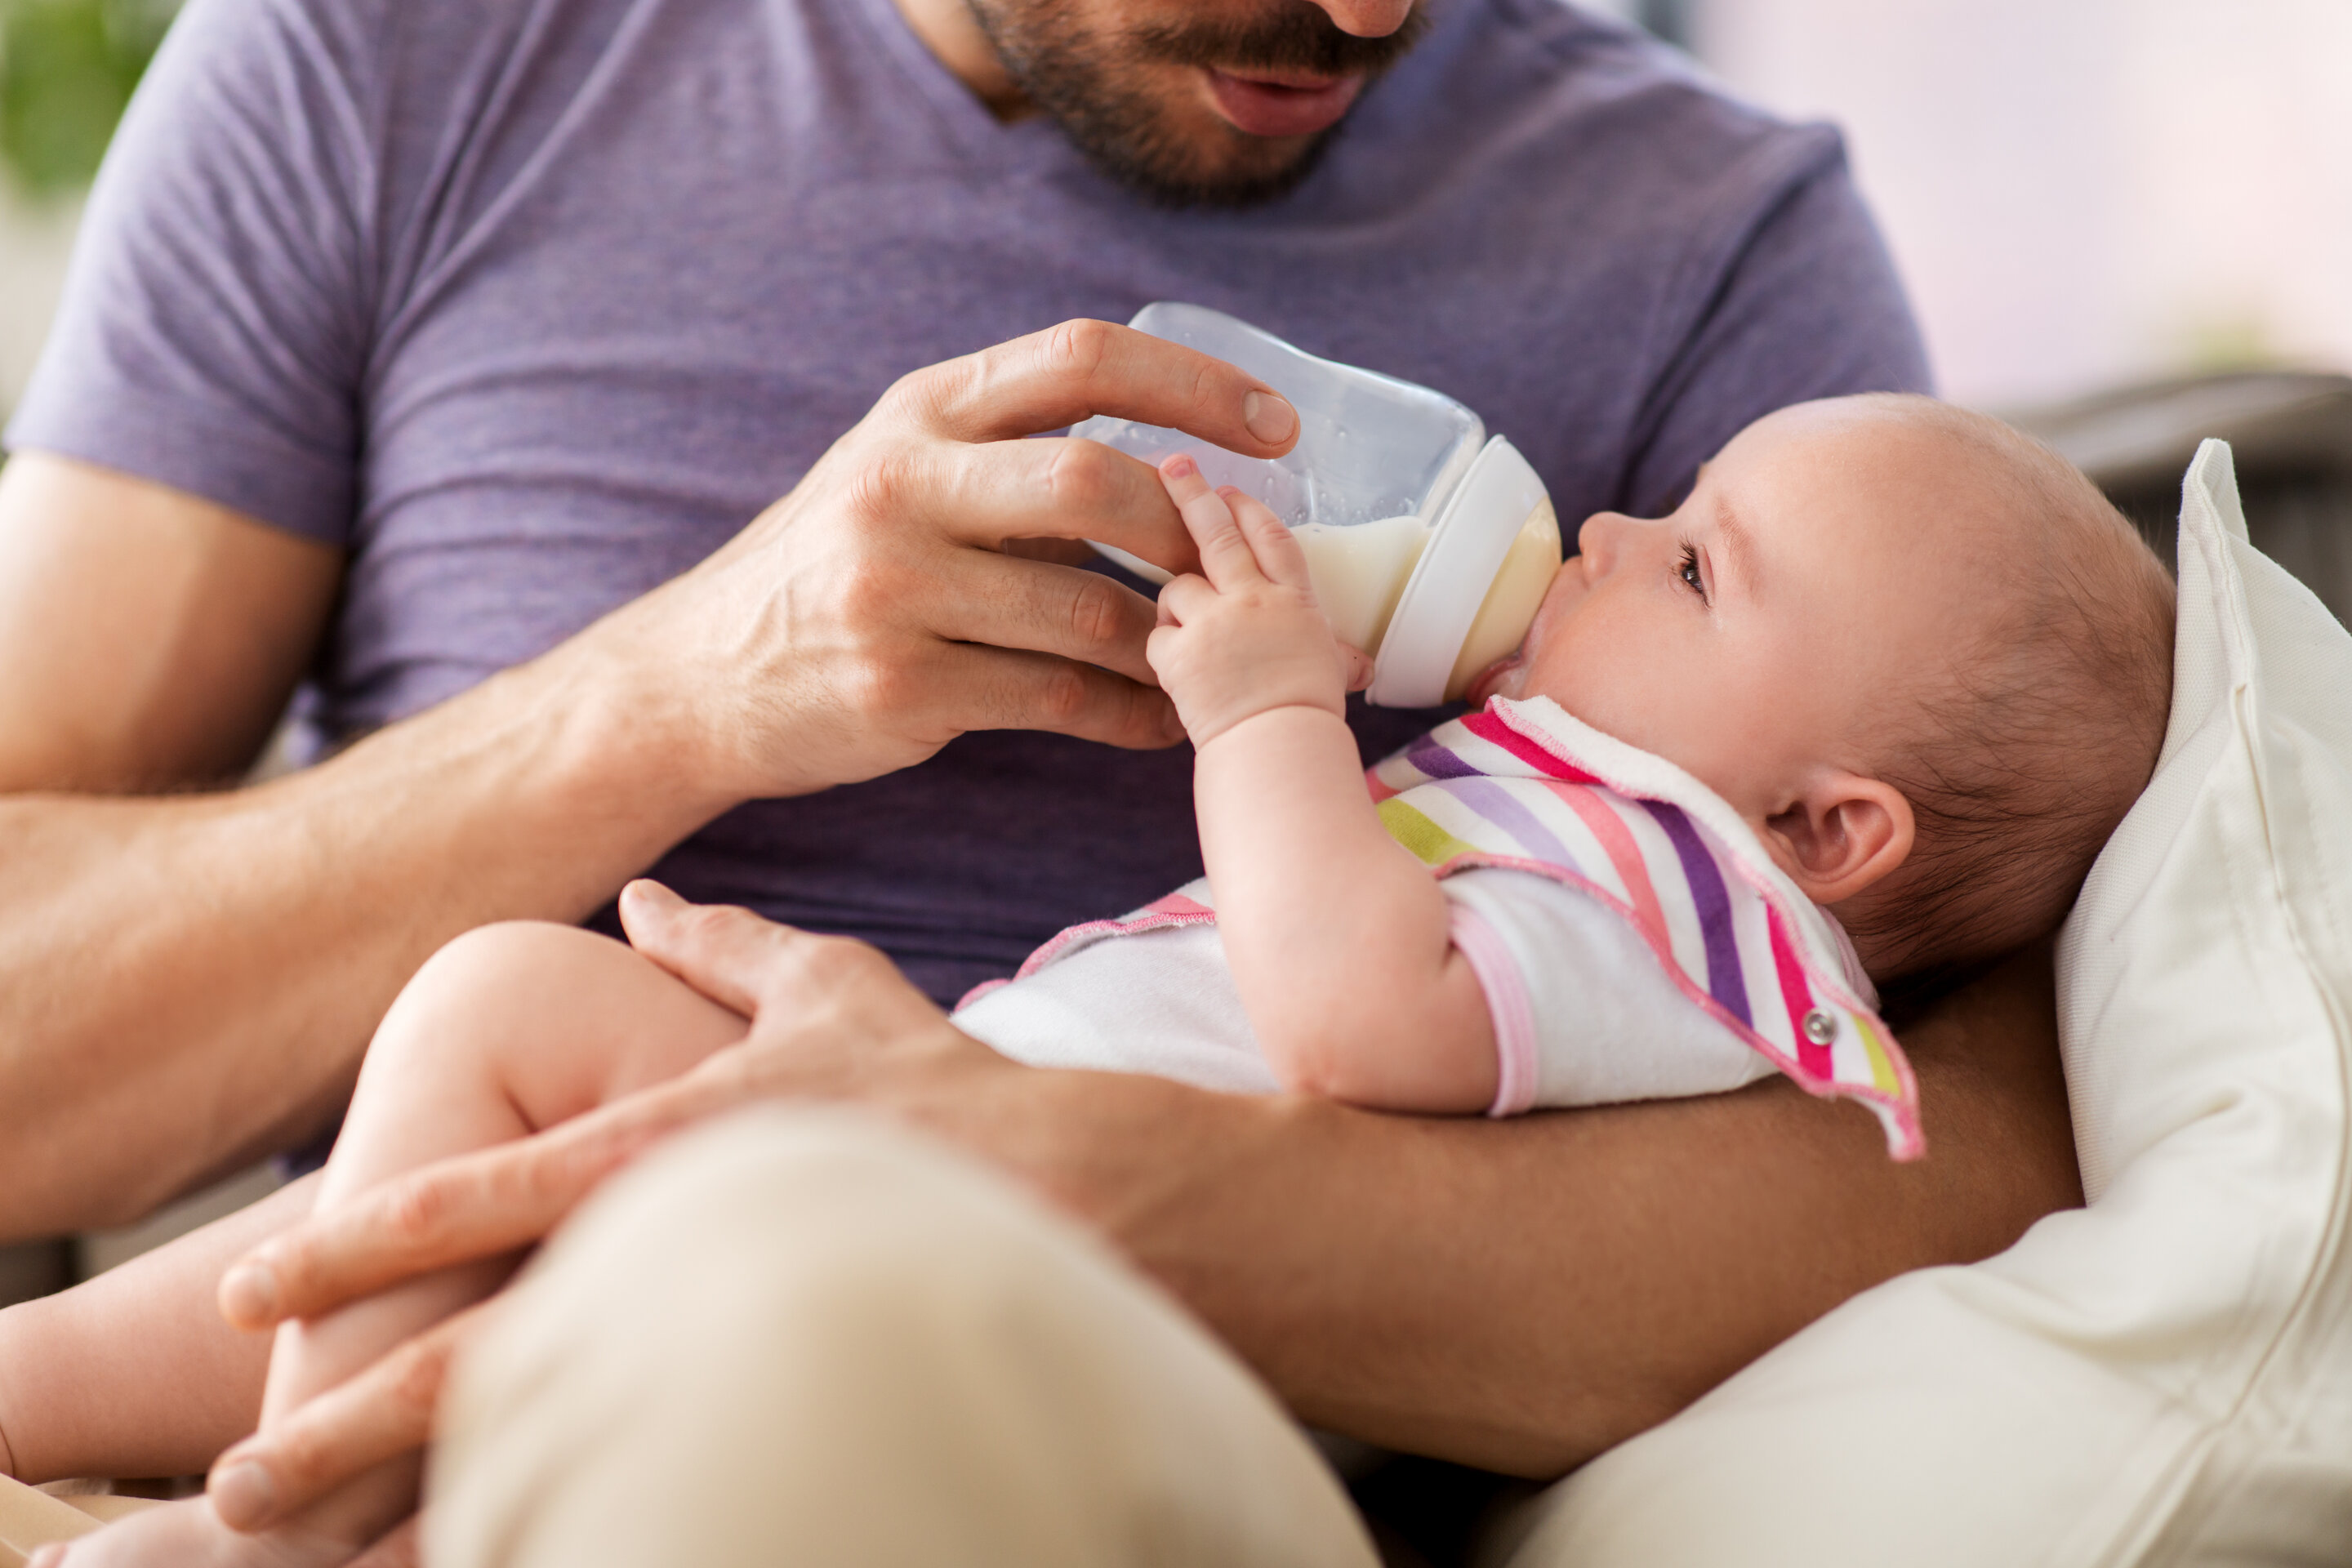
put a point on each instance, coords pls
(1367, 18)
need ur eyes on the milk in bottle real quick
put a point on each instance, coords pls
(1430, 546)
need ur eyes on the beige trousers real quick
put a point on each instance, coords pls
(804, 1337)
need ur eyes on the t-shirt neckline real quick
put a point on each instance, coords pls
(1034, 143)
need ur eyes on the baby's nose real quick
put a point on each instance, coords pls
(1597, 541)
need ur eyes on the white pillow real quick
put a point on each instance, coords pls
(2164, 1377)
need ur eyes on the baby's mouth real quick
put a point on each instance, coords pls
(1491, 677)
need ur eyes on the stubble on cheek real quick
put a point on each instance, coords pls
(1136, 101)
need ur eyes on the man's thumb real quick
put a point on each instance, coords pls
(720, 951)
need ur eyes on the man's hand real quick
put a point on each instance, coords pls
(1245, 635)
(873, 613)
(1520, 1263)
(831, 1019)
(861, 623)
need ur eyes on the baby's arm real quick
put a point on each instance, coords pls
(1338, 937)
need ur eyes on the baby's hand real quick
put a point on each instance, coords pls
(1247, 636)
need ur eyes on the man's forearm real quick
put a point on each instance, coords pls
(1522, 1295)
(192, 980)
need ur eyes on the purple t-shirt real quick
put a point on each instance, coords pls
(528, 305)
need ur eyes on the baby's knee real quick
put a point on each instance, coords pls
(483, 983)
(509, 956)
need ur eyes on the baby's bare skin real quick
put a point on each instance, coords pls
(1769, 638)
(513, 1028)
(1758, 637)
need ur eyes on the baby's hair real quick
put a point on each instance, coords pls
(2019, 766)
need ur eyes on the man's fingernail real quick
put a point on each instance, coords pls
(242, 1495)
(649, 894)
(1269, 418)
(248, 1293)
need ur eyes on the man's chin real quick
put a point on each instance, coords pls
(1168, 142)
(1194, 157)
(1233, 183)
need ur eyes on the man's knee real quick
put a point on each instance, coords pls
(853, 1340)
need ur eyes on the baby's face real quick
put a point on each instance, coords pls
(1753, 637)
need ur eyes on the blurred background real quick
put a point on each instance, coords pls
(2126, 224)
(2084, 194)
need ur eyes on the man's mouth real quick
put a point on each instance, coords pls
(1276, 103)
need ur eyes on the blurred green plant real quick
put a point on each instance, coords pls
(67, 68)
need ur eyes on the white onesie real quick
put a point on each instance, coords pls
(1609, 1024)
(1632, 938)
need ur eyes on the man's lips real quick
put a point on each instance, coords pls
(1279, 105)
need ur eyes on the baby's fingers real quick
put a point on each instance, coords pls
(1355, 666)
(1185, 599)
(1225, 556)
(1274, 546)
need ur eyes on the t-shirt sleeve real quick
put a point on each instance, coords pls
(1797, 300)
(1583, 1012)
(214, 323)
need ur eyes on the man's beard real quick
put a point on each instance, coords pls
(1095, 85)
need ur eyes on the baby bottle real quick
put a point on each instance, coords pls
(1430, 546)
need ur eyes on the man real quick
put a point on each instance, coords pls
(432, 355)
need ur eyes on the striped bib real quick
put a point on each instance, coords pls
(1527, 787)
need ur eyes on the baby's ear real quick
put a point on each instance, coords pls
(1844, 834)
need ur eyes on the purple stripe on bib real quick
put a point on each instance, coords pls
(1724, 981)
(1439, 762)
(1496, 803)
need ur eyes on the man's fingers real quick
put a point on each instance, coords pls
(998, 688)
(379, 1414)
(1065, 373)
(964, 686)
(398, 1549)
(1039, 607)
(727, 954)
(476, 1205)
(999, 492)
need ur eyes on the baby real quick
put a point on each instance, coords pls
(1862, 711)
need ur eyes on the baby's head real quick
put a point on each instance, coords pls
(1918, 651)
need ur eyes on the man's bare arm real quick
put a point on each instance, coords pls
(190, 977)
(151, 639)
(1519, 1295)
(186, 980)
(1522, 1295)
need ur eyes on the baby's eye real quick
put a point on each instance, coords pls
(1689, 573)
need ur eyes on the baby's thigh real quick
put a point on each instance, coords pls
(556, 1020)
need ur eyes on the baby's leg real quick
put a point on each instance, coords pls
(509, 1029)
(134, 1373)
